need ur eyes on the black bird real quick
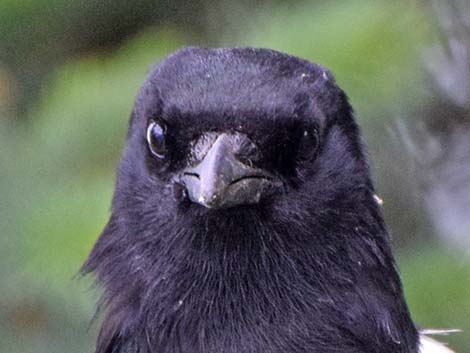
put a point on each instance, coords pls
(244, 218)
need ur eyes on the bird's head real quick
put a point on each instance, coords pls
(232, 133)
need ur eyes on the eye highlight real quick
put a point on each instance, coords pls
(156, 139)
(309, 142)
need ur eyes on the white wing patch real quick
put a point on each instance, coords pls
(428, 345)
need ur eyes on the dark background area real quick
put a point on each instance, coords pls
(69, 71)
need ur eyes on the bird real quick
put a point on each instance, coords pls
(244, 217)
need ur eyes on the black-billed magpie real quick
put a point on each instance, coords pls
(244, 218)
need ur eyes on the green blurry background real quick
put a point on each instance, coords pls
(69, 71)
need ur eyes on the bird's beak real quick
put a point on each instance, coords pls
(220, 180)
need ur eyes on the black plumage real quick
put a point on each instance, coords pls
(290, 255)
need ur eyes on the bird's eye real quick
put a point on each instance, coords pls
(156, 139)
(308, 143)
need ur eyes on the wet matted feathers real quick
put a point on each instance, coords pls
(244, 218)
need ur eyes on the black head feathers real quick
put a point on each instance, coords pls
(244, 218)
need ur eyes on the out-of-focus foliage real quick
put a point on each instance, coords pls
(41, 34)
(83, 68)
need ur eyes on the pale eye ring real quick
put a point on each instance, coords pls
(156, 139)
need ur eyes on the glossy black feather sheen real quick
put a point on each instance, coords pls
(307, 269)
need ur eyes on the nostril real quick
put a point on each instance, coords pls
(252, 177)
(247, 153)
(196, 175)
(179, 191)
(245, 160)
